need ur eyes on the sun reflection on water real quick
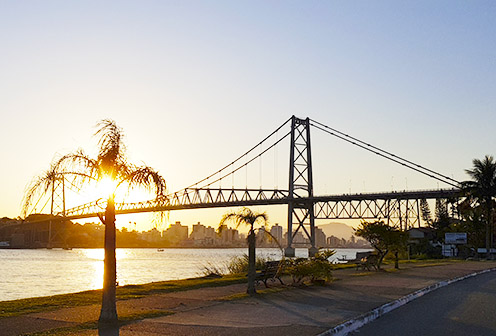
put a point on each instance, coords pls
(97, 256)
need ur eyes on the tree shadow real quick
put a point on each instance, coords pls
(108, 329)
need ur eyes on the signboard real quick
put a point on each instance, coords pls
(455, 238)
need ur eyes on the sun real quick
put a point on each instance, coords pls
(106, 186)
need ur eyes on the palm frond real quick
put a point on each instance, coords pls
(80, 166)
(144, 177)
(112, 149)
(244, 216)
(483, 174)
(39, 185)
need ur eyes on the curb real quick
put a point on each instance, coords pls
(354, 324)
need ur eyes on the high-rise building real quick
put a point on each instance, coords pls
(176, 233)
(198, 232)
(320, 238)
(298, 238)
(276, 232)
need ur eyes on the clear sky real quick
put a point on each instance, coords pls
(196, 83)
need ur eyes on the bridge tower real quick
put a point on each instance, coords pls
(300, 205)
(57, 205)
(58, 195)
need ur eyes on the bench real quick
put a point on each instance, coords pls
(368, 261)
(358, 258)
(272, 270)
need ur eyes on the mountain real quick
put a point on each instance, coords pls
(339, 230)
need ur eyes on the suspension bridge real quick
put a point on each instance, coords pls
(401, 209)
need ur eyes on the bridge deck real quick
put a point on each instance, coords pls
(219, 198)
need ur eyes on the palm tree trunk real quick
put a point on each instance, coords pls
(251, 263)
(108, 314)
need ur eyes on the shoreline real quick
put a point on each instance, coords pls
(174, 247)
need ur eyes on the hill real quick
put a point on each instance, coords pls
(339, 230)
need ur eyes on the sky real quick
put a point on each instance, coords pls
(194, 84)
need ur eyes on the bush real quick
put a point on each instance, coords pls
(425, 250)
(239, 265)
(316, 269)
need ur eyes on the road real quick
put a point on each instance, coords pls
(467, 307)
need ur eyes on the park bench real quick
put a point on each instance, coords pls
(358, 258)
(272, 270)
(365, 260)
(368, 261)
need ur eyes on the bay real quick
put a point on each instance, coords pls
(43, 272)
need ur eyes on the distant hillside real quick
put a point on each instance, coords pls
(339, 230)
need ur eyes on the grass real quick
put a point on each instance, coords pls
(48, 303)
(343, 266)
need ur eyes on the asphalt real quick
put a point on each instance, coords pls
(463, 308)
(286, 311)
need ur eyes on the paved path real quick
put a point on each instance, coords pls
(466, 307)
(291, 311)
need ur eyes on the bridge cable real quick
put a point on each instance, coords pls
(386, 155)
(239, 158)
(248, 162)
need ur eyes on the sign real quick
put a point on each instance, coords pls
(455, 238)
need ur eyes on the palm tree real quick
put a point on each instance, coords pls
(248, 217)
(110, 165)
(483, 189)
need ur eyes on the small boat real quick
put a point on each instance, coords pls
(160, 250)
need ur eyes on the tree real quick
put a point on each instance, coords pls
(473, 222)
(383, 238)
(425, 211)
(442, 221)
(399, 243)
(247, 217)
(482, 188)
(110, 165)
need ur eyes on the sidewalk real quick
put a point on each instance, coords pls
(290, 311)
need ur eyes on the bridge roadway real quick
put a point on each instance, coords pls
(346, 206)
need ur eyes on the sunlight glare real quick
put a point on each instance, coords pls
(99, 254)
(107, 186)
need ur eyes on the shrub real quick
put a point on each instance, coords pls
(239, 265)
(317, 268)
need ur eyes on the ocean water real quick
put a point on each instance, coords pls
(42, 272)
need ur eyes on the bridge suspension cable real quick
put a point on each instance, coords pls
(385, 154)
(218, 172)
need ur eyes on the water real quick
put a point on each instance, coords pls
(32, 273)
